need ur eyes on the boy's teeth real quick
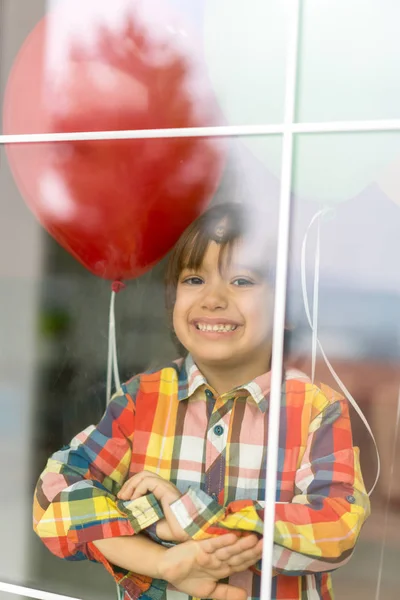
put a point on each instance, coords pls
(220, 328)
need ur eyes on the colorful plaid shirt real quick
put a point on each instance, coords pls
(213, 448)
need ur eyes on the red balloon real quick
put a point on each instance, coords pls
(117, 206)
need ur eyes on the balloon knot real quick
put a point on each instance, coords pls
(117, 286)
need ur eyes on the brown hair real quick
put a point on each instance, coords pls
(224, 224)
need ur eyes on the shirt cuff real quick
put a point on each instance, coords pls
(151, 532)
(196, 511)
(142, 512)
(133, 583)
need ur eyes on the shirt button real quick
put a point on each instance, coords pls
(350, 499)
(214, 497)
(209, 393)
(218, 430)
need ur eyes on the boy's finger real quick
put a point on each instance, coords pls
(146, 485)
(126, 491)
(129, 486)
(260, 547)
(248, 541)
(239, 549)
(213, 544)
(244, 543)
(223, 591)
(244, 559)
(247, 558)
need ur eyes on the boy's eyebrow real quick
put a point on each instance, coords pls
(261, 272)
(245, 267)
(232, 267)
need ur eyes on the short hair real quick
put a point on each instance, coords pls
(225, 224)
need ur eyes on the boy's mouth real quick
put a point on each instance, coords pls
(218, 327)
(213, 326)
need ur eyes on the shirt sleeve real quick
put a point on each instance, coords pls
(318, 529)
(75, 499)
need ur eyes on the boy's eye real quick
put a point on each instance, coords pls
(193, 280)
(242, 281)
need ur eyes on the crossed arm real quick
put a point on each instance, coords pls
(79, 509)
(78, 515)
(193, 567)
(315, 532)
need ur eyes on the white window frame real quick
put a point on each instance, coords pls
(288, 129)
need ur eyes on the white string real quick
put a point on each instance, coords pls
(113, 371)
(112, 357)
(117, 381)
(111, 337)
(293, 18)
(385, 527)
(341, 385)
(315, 305)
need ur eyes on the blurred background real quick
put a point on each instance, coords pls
(54, 312)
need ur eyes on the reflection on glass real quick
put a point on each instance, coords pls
(246, 59)
(350, 162)
(142, 65)
(358, 326)
(103, 202)
(56, 327)
(349, 58)
(106, 66)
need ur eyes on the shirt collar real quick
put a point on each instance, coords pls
(190, 379)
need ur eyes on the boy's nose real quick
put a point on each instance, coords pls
(214, 298)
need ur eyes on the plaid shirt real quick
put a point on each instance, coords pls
(213, 448)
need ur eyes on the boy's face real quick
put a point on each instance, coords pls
(223, 318)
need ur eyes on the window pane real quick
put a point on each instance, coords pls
(140, 65)
(349, 59)
(54, 318)
(358, 322)
(246, 58)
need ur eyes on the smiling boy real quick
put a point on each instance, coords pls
(180, 454)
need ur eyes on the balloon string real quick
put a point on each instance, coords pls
(112, 357)
(112, 366)
(117, 380)
(388, 499)
(111, 335)
(316, 341)
(315, 305)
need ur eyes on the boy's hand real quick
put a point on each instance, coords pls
(142, 483)
(195, 567)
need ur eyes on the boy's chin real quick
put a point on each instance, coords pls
(215, 357)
